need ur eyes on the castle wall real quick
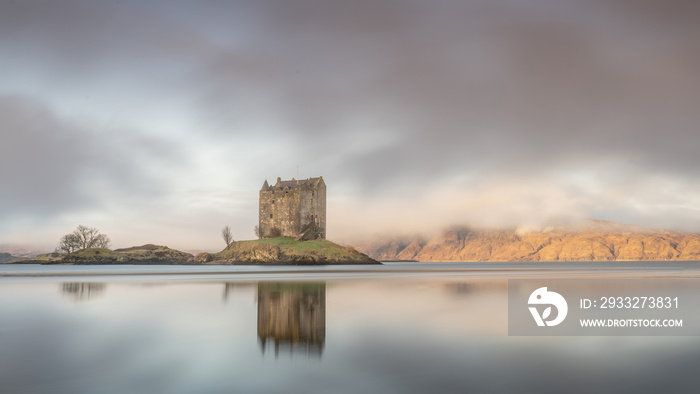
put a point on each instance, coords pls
(313, 207)
(321, 210)
(264, 224)
(308, 209)
(291, 209)
(280, 208)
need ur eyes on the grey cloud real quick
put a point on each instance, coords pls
(38, 160)
(495, 87)
(50, 166)
(457, 84)
(424, 92)
(79, 37)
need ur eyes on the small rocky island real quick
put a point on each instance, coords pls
(268, 251)
(287, 251)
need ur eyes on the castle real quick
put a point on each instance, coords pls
(294, 208)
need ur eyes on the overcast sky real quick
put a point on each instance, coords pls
(159, 121)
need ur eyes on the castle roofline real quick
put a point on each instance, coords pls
(293, 183)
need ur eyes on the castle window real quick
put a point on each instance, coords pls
(270, 216)
(273, 201)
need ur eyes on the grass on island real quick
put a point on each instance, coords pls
(322, 246)
(137, 254)
(91, 252)
(286, 249)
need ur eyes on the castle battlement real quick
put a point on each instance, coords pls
(293, 208)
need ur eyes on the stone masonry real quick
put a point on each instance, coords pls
(294, 208)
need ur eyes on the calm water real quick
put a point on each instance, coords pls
(399, 328)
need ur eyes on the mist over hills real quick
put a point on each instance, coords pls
(593, 240)
(21, 250)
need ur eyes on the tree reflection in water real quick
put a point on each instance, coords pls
(82, 291)
(232, 288)
(292, 316)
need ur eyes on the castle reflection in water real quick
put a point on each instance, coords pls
(292, 317)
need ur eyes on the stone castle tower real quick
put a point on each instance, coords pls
(295, 208)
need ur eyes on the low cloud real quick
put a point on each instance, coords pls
(51, 166)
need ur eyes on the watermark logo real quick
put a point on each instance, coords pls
(543, 297)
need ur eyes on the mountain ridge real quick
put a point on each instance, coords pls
(593, 240)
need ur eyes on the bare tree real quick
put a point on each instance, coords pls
(82, 238)
(226, 235)
(256, 229)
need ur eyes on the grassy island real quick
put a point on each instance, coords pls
(269, 251)
(285, 250)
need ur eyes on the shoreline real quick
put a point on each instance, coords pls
(335, 271)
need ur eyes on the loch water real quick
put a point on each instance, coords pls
(398, 328)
